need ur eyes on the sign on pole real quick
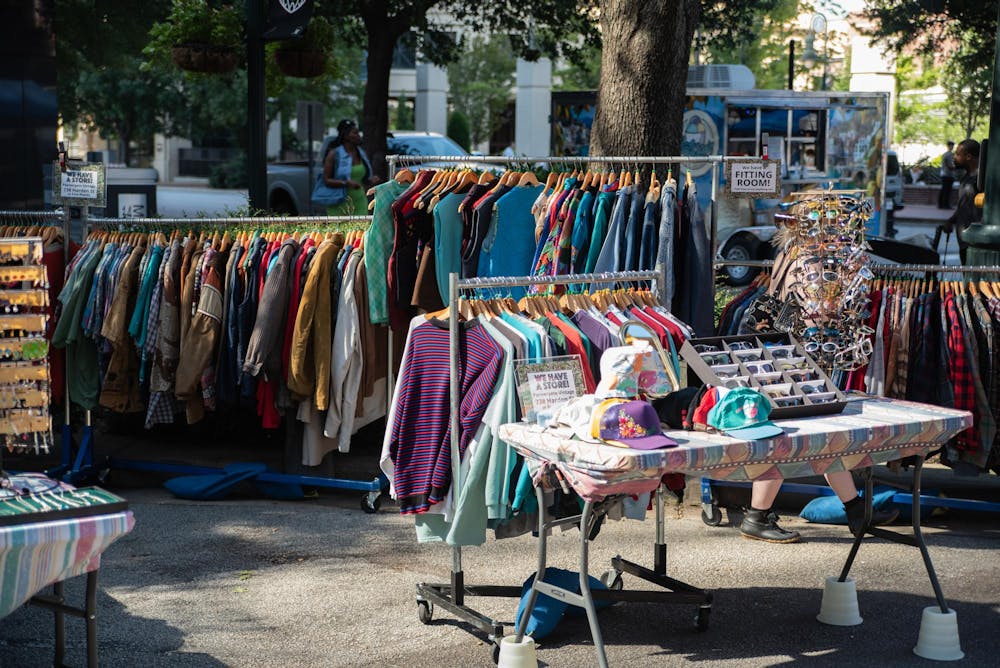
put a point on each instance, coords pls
(753, 177)
(82, 184)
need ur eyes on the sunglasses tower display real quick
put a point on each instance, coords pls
(25, 421)
(821, 245)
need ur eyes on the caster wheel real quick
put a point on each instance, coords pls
(496, 653)
(370, 505)
(612, 580)
(711, 514)
(701, 619)
(425, 612)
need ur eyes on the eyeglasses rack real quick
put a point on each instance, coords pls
(25, 422)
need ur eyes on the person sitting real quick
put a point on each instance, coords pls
(761, 523)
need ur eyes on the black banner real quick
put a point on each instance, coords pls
(287, 19)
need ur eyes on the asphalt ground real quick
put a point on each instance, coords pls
(254, 582)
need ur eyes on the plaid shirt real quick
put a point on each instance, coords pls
(898, 389)
(960, 374)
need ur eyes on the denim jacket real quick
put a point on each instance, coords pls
(342, 170)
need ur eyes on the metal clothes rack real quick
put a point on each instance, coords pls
(83, 464)
(557, 160)
(451, 596)
(711, 514)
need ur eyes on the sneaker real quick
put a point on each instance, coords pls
(763, 525)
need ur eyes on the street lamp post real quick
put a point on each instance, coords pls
(817, 25)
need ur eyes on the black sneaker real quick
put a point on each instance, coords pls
(763, 525)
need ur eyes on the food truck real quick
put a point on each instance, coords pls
(831, 139)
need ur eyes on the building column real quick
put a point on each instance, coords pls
(532, 132)
(431, 107)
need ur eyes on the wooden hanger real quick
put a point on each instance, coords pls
(528, 179)
(404, 176)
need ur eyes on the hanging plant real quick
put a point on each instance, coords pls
(199, 37)
(308, 56)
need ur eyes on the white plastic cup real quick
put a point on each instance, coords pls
(840, 603)
(938, 639)
(517, 654)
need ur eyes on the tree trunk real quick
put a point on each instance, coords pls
(644, 64)
(383, 32)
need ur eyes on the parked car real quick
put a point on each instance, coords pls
(754, 243)
(289, 186)
(893, 182)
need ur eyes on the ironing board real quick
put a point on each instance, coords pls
(869, 431)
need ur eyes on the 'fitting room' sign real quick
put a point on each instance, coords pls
(753, 177)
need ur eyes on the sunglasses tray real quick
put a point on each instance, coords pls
(774, 363)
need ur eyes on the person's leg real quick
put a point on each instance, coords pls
(763, 493)
(760, 522)
(842, 483)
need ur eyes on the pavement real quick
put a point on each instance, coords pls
(255, 582)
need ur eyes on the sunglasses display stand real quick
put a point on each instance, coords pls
(25, 421)
(773, 363)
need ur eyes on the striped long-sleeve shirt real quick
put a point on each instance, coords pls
(420, 440)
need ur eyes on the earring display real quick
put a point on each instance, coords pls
(25, 421)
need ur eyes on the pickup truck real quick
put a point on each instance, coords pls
(289, 185)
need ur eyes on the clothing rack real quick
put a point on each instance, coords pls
(711, 515)
(879, 266)
(451, 596)
(624, 161)
(14, 217)
(83, 464)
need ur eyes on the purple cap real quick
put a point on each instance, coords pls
(632, 424)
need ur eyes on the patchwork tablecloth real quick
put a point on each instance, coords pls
(869, 431)
(33, 556)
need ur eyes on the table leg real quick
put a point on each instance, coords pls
(90, 619)
(60, 624)
(588, 599)
(522, 626)
(917, 540)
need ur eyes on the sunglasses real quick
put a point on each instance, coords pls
(812, 388)
(828, 347)
(759, 367)
(749, 355)
(770, 378)
(799, 375)
(713, 359)
(824, 398)
(791, 365)
(777, 391)
(781, 353)
(741, 345)
(783, 402)
(705, 348)
(731, 371)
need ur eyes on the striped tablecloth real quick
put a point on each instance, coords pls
(33, 556)
(868, 431)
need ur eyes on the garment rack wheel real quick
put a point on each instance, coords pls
(371, 502)
(711, 514)
(425, 611)
(612, 579)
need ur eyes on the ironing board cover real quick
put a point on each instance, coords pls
(869, 431)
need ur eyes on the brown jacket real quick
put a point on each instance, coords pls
(312, 336)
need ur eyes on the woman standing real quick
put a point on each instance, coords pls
(346, 169)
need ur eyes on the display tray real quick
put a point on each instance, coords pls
(773, 363)
(59, 504)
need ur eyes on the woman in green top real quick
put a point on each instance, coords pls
(346, 167)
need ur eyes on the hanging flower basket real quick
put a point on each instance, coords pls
(302, 64)
(204, 58)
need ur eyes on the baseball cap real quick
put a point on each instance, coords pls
(633, 370)
(742, 413)
(712, 395)
(673, 408)
(629, 424)
(578, 414)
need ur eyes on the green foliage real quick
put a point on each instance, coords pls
(481, 81)
(958, 34)
(197, 22)
(582, 74)
(458, 129)
(231, 174)
(763, 47)
(404, 119)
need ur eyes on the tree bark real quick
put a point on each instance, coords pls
(383, 32)
(644, 64)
